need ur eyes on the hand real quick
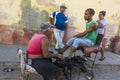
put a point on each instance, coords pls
(51, 52)
(75, 36)
(60, 53)
(60, 56)
(98, 24)
(98, 21)
(52, 26)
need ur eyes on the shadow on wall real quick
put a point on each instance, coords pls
(32, 17)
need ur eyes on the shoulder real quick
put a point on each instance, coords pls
(65, 14)
(93, 21)
(56, 12)
(44, 40)
(103, 21)
(93, 24)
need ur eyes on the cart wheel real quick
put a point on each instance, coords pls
(89, 75)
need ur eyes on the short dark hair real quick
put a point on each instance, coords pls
(91, 11)
(103, 13)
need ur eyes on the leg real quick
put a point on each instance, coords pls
(57, 37)
(61, 45)
(57, 46)
(79, 42)
(68, 44)
(64, 49)
(102, 48)
(72, 50)
(102, 52)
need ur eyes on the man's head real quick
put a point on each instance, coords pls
(89, 14)
(44, 27)
(63, 8)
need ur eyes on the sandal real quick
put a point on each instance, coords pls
(102, 58)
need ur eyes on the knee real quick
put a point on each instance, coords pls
(77, 41)
(70, 41)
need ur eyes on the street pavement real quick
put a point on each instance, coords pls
(109, 69)
(99, 75)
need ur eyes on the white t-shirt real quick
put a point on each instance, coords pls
(101, 30)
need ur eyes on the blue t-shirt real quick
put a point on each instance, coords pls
(59, 20)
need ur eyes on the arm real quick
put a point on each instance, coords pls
(66, 24)
(66, 21)
(45, 51)
(100, 25)
(92, 27)
(51, 20)
(52, 17)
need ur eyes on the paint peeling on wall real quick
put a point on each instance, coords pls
(31, 13)
(31, 17)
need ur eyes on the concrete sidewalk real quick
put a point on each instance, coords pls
(99, 75)
(9, 59)
(109, 69)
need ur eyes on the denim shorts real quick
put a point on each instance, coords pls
(47, 69)
(76, 42)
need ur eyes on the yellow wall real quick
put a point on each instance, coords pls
(76, 9)
(12, 13)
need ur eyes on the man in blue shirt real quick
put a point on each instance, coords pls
(60, 20)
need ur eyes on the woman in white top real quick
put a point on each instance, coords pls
(101, 31)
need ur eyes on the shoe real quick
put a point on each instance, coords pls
(86, 56)
(60, 52)
(57, 49)
(102, 58)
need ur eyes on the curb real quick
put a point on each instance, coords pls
(8, 64)
(16, 65)
(107, 67)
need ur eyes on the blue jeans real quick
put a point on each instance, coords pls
(76, 42)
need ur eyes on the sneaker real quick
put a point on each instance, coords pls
(57, 49)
